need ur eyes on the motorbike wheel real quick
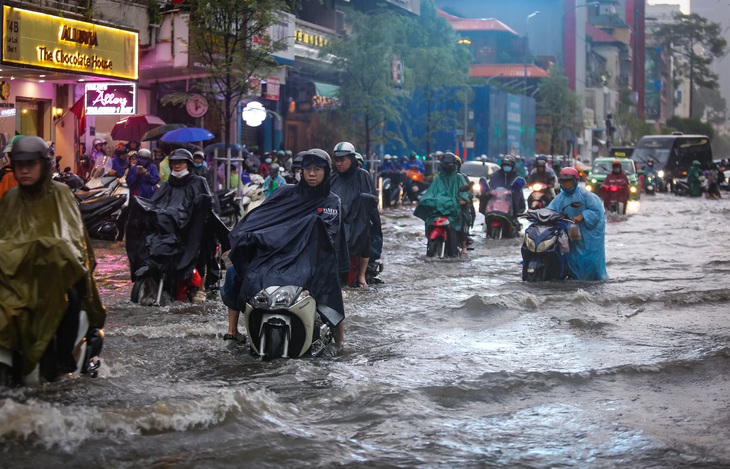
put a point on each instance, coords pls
(274, 335)
(144, 291)
(495, 232)
(435, 247)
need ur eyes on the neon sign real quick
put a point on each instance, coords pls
(103, 99)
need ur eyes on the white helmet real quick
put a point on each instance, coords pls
(344, 149)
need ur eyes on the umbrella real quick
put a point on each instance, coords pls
(134, 127)
(221, 147)
(158, 132)
(187, 134)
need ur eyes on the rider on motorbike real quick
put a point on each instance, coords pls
(279, 243)
(587, 256)
(46, 271)
(142, 178)
(445, 197)
(543, 175)
(273, 181)
(508, 178)
(176, 230)
(388, 165)
(618, 178)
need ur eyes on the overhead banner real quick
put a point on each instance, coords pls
(36, 39)
(107, 99)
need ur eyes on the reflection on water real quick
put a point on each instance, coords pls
(448, 363)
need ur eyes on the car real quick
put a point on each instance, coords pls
(603, 166)
(475, 170)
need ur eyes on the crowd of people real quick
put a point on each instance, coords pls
(312, 188)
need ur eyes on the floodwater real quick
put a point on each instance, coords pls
(449, 363)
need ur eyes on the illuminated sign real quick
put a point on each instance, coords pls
(310, 39)
(36, 39)
(104, 99)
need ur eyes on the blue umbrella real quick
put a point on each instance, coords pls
(187, 134)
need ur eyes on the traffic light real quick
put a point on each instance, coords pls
(610, 127)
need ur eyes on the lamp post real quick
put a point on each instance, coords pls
(527, 22)
(562, 27)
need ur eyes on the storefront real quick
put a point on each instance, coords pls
(49, 63)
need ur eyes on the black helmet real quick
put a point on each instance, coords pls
(29, 148)
(448, 162)
(316, 156)
(650, 162)
(181, 154)
(296, 163)
(508, 160)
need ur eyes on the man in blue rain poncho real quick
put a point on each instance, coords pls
(587, 256)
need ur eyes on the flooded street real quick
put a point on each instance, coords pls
(449, 363)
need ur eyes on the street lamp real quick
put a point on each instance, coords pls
(562, 27)
(527, 21)
(492, 78)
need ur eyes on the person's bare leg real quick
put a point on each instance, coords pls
(363, 267)
(233, 316)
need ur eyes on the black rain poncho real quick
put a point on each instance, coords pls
(44, 252)
(294, 238)
(167, 232)
(361, 218)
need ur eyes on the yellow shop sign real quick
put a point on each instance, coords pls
(31, 38)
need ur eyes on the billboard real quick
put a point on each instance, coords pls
(109, 99)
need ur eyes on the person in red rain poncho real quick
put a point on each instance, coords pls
(617, 178)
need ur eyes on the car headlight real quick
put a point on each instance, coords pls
(547, 244)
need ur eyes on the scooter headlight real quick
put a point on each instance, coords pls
(632, 189)
(530, 243)
(547, 244)
(285, 296)
(660, 174)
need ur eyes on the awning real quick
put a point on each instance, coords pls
(325, 90)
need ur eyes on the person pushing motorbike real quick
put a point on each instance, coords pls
(587, 256)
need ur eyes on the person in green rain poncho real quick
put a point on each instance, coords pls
(445, 197)
(693, 179)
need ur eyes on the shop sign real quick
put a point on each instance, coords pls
(272, 88)
(36, 39)
(104, 99)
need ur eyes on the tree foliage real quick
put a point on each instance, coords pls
(558, 105)
(230, 42)
(696, 42)
(691, 125)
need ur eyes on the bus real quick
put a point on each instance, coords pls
(673, 154)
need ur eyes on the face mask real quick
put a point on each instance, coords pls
(298, 176)
(268, 160)
(180, 174)
(198, 165)
(506, 168)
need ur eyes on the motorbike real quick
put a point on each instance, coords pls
(442, 240)
(392, 190)
(414, 186)
(498, 222)
(88, 343)
(286, 322)
(546, 244)
(614, 198)
(650, 184)
(230, 206)
(539, 197)
(104, 213)
(253, 196)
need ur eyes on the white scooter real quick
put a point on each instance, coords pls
(286, 322)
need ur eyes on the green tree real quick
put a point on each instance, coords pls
(696, 42)
(365, 61)
(691, 125)
(230, 42)
(435, 64)
(557, 106)
(710, 104)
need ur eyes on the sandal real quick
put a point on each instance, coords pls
(362, 285)
(200, 297)
(232, 341)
